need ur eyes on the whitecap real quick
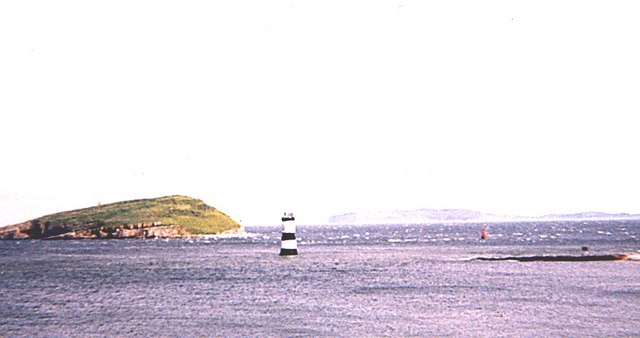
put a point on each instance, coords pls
(634, 257)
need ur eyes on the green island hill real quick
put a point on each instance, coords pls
(164, 217)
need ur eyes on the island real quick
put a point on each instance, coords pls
(164, 217)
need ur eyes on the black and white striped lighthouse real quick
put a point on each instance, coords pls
(289, 245)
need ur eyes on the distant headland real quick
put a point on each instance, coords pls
(425, 216)
(164, 217)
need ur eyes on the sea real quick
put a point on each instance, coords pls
(394, 280)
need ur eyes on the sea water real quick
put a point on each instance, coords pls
(382, 280)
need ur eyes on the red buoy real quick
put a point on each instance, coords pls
(484, 233)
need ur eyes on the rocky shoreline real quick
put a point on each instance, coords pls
(37, 230)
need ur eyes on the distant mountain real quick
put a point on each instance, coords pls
(591, 215)
(411, 216)
(458, 215)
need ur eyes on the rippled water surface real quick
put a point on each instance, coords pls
(392, 280)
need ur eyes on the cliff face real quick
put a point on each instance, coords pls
(166, 217)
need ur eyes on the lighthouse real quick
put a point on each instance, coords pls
(289, 245)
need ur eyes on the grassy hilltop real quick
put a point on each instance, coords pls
(176, 216)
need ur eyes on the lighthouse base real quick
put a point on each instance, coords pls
(288, 252)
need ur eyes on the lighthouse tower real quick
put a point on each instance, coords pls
(289, 245)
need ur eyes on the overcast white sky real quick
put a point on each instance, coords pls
(320, 107)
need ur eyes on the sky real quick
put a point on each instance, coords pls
(320, 107)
